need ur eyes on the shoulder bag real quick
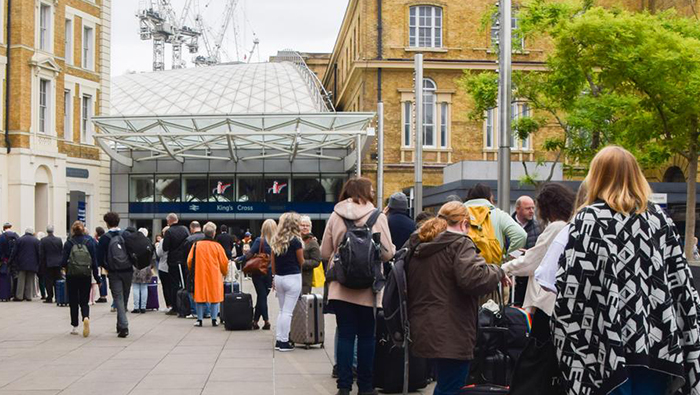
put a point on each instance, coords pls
(258, 263)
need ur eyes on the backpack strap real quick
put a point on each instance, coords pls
(373, 218)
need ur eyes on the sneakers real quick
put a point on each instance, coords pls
(171, 312)
(334, 373)
(142, 311)
(135, 311)
(113, 310)
(191, 316)
(86, 327)
(214, 323)
(123, 333)
(74, 331)
(101, 300)
(266, 327)
(255, 325)
(284, 346)
(198, 323)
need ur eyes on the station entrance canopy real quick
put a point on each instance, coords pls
(242, 137)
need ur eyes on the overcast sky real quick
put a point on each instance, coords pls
(303, 25)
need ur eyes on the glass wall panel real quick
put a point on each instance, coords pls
(167, 188)
(332, 187)
(196, 188)
(308, 190)
(141, 189)
(221, 188)
(250, 189)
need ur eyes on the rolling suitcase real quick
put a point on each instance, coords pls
(61, 293)
(5, 287)
(103, 286)
(152, 300)
(389, 364)
(483, 389)
(237, 311)
(182, 298)
(307, 321)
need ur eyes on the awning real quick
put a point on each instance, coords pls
(269, 135)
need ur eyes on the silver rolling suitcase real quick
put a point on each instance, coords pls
(307, 321)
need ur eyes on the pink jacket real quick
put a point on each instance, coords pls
(335, 230)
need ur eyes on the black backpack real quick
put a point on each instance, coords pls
(395, 298)
(357, 265)
(117, 257)
(139, 249)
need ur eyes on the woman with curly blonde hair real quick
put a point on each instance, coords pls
(287, 258)
(446, 275)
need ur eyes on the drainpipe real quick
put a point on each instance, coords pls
(7, 79)
(380, 112)
(379, 30)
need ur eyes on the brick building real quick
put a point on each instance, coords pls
(51, 171)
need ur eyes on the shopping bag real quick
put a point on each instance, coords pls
(319, 276)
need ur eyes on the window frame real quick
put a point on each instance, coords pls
(68, 41)
(435, 27)
(490, 129)
(86, 121)
(432, 105)
(45, 32)
(407, 134)
(444, 124)
(88, 47)
(514, 21)
(68, 114)
(519, 108)
(44, 126)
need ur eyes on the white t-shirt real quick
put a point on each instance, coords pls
(546, 273)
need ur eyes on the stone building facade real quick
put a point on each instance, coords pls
(51, 171)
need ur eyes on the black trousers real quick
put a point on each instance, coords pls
(166, 282)
(520, 290)
(540, 327)
(78, 296)
(52, 275)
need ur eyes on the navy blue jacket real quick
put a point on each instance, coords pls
(401, 226)
(26, 254)
(5, 250)
(103, 246)
(92, 249)
(51, 248)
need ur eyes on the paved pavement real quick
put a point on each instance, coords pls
(162, 355)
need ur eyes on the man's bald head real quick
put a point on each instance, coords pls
(525, 209)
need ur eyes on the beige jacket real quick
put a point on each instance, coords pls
(526, 265)
(335, 230)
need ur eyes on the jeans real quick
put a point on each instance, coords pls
(201, 307)
(25, 285)
(262, 285)
(193, 306)
(355, 321)
(451, 376)
(78, 296)
(165, 281)
(288, 290)
(120, 285)
(335, 354)
(53, 274)
(140, 295)
(643, 381)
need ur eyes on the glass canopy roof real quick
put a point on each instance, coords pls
(277, 109)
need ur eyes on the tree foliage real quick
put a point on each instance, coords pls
(613, 77)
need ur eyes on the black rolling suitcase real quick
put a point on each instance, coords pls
(389, 364)
(237, 311)
(182, 298)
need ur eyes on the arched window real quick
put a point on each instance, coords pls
(425, 26)
(674, 174)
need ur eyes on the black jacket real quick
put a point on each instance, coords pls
(226, 241)
(25, 256)
(533, 232)
(174, 244)
(401, 226)
(51, 249)
(189, 242)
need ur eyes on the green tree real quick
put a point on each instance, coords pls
(613, 77)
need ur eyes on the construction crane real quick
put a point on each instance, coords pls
(158, 22)
(213, 48)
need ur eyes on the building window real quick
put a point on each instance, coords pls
(250, 189)
(44, 95)
(490, 137)
(196, 188)
(429, 107)
(517, 40)
(425, 27)
(87, 48)
(525, 112)
(308, 189)
(407, 123)
(443, 125)
(69, 41)
(45, 27)
(67, 115)
(168, 188)
(220, 188)
(276, 189)
(142, 189)
(86, 118)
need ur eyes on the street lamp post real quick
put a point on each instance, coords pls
(504, 104)
(418, 149)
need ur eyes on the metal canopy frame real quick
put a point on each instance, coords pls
(288, 136)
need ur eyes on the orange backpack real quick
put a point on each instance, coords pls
(483, 235)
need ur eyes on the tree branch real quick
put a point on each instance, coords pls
(556, 160)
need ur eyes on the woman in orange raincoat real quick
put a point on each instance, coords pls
(208, 263)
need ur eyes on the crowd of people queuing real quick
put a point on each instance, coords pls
(602, 274)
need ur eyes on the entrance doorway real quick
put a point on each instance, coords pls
(41, 199)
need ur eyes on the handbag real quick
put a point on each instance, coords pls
(318, 278)
(258, 263)
(537, 370)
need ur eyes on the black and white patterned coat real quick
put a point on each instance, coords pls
(625, 298)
